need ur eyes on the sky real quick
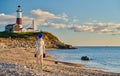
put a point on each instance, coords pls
(75, 22)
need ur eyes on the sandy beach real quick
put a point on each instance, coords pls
(21, 62)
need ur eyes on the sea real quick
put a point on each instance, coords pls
(106, 58)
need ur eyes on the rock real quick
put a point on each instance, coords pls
(2, 45)
(56, 62)
(0, 67)
(44, 55)
(85, 58)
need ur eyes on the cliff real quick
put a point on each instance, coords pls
(27, 40)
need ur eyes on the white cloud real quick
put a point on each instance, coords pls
(27, 20)
(6, 19)
(110, 28)
(54, 25)
(82, 28)
(11, 19)
(75, 20)
(41, 16)
(64, 17)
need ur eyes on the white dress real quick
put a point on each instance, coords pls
(40, 48)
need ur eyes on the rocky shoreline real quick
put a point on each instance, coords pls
(28, 41)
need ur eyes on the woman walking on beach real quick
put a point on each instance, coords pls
(40, 48)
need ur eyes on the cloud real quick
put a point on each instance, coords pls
(54, 25)
(27, 20)
(75, 19)
(64, 17)
(118, 28)
(41, 16)
(104, 27)
(11, 19)
(6, 19)
(81, 28)
(110, 28)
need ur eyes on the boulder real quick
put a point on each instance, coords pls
(85, 58)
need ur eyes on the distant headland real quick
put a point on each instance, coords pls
(27, 40)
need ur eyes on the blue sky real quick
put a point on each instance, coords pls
(76, 22)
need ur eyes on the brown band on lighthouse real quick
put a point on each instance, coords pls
(19, 21)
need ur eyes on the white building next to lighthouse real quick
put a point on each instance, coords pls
(32, 28)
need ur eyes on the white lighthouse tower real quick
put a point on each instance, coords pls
(19, 17)
(34, 25)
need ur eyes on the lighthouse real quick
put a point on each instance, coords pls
(19, 17)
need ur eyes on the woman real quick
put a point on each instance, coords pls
(40, 48)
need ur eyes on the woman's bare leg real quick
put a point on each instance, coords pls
(41, 59)
(39, 62)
